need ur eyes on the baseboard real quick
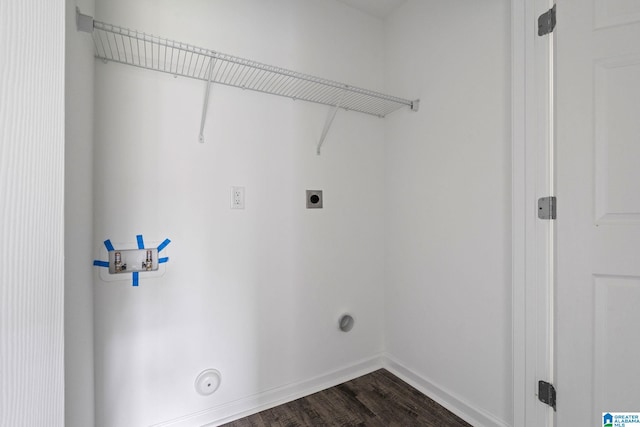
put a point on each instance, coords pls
(250, 405)
(259, 402)
(474, 416)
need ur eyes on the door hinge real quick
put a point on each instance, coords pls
(547, 207)
(547, 21)
(547, 393)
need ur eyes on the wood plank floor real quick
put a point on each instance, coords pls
(379, 399)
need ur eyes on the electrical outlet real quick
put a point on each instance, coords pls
(314, 199)
(237, 197)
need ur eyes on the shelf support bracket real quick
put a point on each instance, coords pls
(84, 22)
(328, 122)
(205, 106)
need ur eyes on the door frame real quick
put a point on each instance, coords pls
(532, 243)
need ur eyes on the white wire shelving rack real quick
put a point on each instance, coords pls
(131, 47)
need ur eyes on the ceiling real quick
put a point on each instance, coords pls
(379, 8)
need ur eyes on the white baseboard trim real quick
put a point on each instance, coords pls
(268, 399)
(454, 403)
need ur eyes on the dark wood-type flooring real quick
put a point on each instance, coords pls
(379, 399)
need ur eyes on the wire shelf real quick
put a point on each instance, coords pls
(118, 44)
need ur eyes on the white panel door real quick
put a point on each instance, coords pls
(598, 225)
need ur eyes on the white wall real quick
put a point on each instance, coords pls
(79, 68)
(414, 239)
(448, 299)
(254, 293)
(31, 213)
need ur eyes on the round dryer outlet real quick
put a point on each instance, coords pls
(208, 381)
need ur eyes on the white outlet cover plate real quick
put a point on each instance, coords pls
(237, 197)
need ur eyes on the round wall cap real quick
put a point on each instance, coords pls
(208, 382)
(346, 322)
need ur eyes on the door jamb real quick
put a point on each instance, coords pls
(527, 327)
(518, 210)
